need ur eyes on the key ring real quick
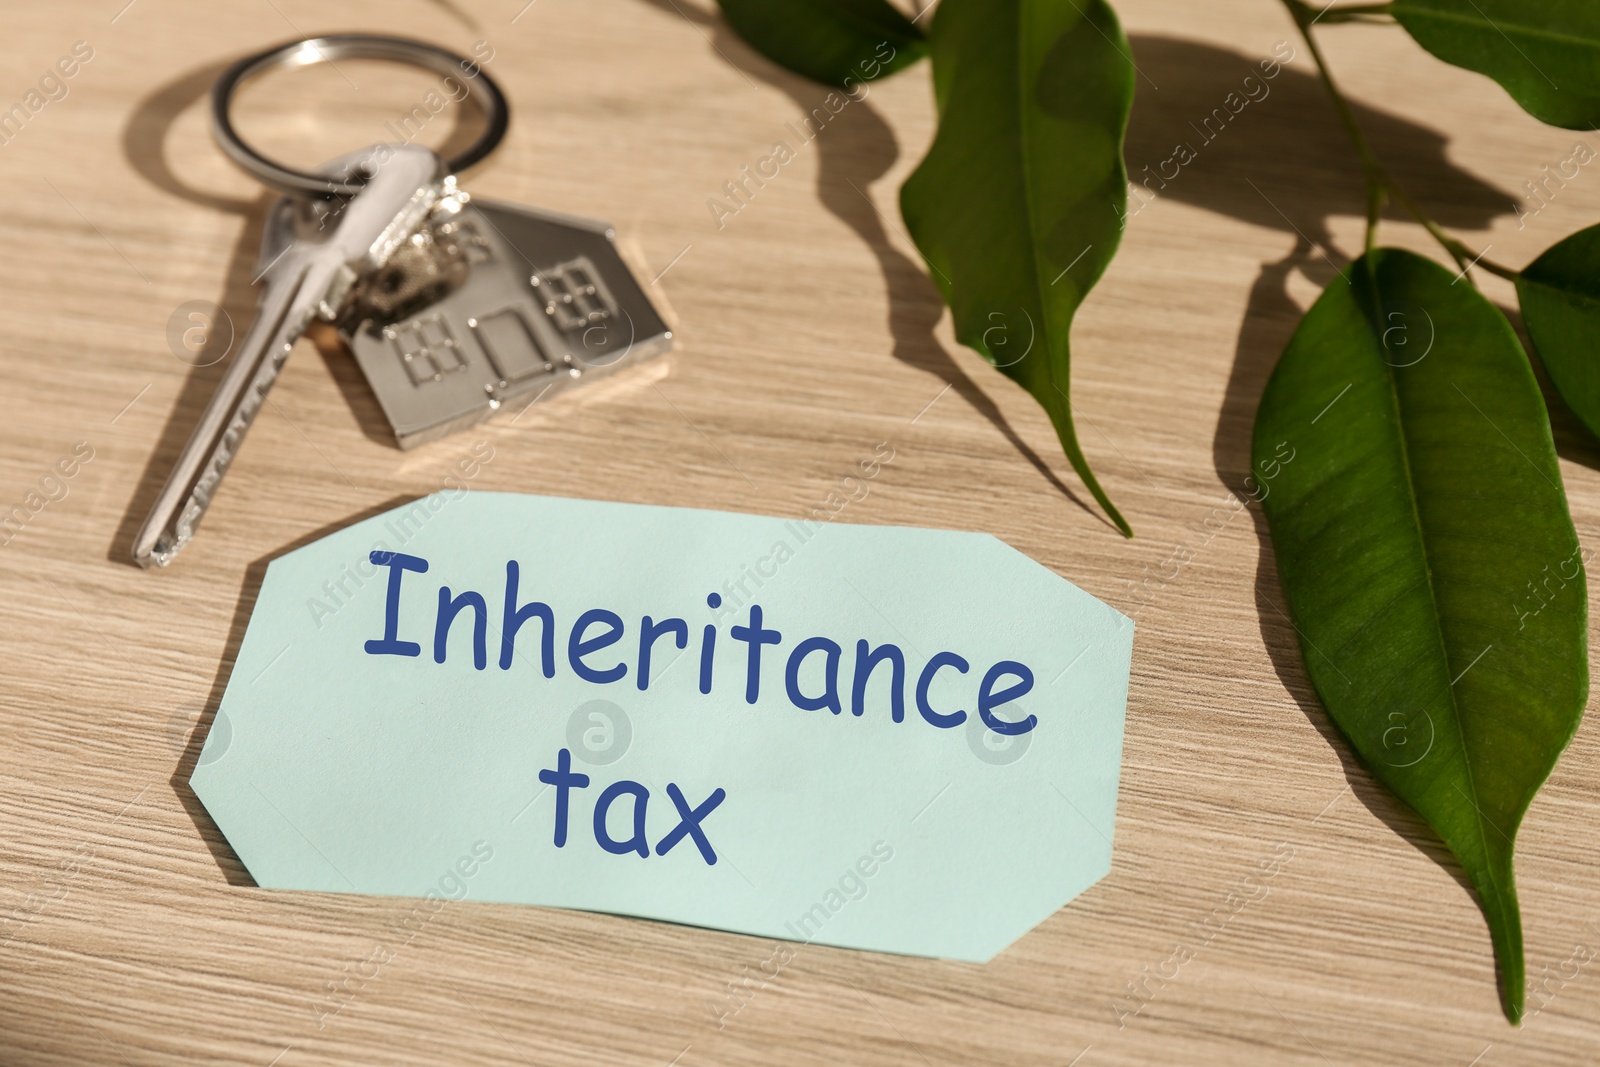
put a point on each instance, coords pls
(351, 46)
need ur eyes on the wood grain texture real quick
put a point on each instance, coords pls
(809, 333)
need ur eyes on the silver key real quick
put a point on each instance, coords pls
(310, 263)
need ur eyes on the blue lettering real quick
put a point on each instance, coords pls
(988, 699)
(578, 646)
(641, 799)
(448, 610)
(756, 636)
(941, 659)
(515, 617)
(830, 695)
(564, 780)
(649, 630)
(689, 820)
(866, 661)
(391, 645)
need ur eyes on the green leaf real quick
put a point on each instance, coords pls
(835, 42)
(1560, 295)
(1545, 53)
(1428, 558)
(1018, 206)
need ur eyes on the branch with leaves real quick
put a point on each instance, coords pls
(1422, 535)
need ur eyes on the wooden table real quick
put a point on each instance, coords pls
(809, 334)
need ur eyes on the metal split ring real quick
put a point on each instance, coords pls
(470, 73)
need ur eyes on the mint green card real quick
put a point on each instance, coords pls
(875, 737)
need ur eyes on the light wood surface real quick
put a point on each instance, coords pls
(809, 334)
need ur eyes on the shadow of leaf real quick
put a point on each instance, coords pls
(855, 148)
(1282, 161)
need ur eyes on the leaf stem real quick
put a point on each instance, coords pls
(1375, 198)
(1379, 182)
(1355, 13)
